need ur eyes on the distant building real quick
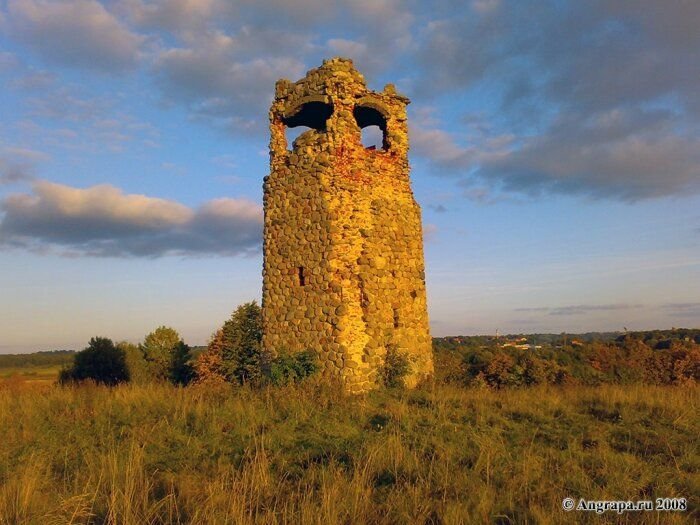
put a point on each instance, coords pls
(519, 343)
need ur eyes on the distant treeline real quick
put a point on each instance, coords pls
(234, 355)
(663, 339)
(660, 357)
(653, 338)
(37, 359)
(54, 358)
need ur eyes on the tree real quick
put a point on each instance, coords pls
(181, 371)
(209, 366)
(101, 361)
(158, 348)
(235, 352)
(242, 344)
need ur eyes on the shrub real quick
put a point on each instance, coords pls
(209, 366)
(101, 362)
(499, 372)
(135, 363)
(396, 368)
(686, 366)
(450, 367)
(538, 371)
(475, 362)
(292, 368)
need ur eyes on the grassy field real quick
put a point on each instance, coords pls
(160, 454)
(30, 374)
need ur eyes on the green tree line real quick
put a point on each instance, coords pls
(234, 355)
(51, 358)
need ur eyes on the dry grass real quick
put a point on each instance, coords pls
(159, 454)
(34, 374)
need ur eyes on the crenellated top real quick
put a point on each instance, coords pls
(335, 78)
(333, 100)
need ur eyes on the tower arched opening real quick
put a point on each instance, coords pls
(308, 116)
(372, 124)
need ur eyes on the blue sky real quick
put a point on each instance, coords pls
(555, 149)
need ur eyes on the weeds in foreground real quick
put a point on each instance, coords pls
(308, 454)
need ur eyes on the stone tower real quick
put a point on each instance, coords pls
(343, 246)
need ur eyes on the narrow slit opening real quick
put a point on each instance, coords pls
(302, 278)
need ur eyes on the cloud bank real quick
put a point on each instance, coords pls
(600, 99)
(580, 309)
(80, 33)
(103, 221)
(597, 99)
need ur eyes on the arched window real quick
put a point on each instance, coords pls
(372, 123)
(310, 115)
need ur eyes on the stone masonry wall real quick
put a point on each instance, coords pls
(343, 250)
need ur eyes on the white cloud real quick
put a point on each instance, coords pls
(219, 86)
(629, 156)
(80, 33)
(439, 146)
(103, 221)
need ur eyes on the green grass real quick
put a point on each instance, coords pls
(307, 454)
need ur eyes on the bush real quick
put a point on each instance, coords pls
(209, 366)
(500, 371)
(101, 362)
(292, 368)
(135, 363)
(396, 368)
(450, 367)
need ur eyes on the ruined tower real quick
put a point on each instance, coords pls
(343, 246)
